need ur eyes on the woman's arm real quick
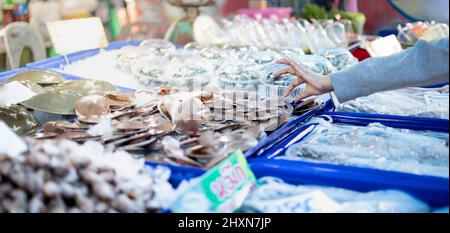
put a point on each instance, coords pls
(424, 64)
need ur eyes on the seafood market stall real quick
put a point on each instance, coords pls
(150, 126)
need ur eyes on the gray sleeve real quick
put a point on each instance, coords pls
(424, 64)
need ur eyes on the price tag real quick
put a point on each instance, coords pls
(75, 35)
(224, 187)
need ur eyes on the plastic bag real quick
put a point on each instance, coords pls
(419, 102)
(375, 146)
(274, 196)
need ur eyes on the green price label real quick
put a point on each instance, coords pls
(225, 186)
(226, 179)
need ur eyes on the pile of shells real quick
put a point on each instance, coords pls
(111, 118)
(171, 125)
(62, 176)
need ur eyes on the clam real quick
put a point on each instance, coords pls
(200, 152)
(70, 126)
(183, 160)
(131, 125)
(92, 105)
(39, 77)
(138, 136)
(159, 125)
(206, 96)
(119, 96)
(148, 132)
(188, 126)
(156, 157)
(139, 145)
(19, 119)
(120, 136)
(77, 136)
(60, 102)
(45, 135)
(119, 101)
(89, 119)
(163, 110)
(119, 105)
(50, 127)
(86, 86)
(216, 160)
(125, 115)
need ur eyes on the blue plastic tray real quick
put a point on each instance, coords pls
(54, 63)
(4, 76)
(433, 190)
(436, 86)
(285, 131)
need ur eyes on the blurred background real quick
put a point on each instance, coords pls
(141, 19)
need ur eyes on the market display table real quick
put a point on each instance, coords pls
(433, 190)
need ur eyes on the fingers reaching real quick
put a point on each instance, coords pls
(287, 70)
(289, 89)
(283, 61)
(296, 68)
(289, 62)
(301, 96)
(291, 86)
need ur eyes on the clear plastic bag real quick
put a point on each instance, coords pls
(375, 146)
(275, 33)
(420, 102)
(275, 196)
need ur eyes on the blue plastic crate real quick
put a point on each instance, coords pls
(285, 131)
(54, 63)
(4, 76)
(433, 190)
(436, 86)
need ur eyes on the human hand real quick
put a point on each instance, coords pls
(316, 84)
